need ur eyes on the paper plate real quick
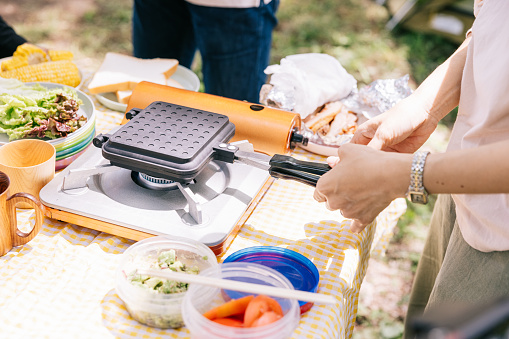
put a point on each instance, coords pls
(183, 75)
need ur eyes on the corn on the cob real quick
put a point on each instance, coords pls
(60, 55)
(31, 53)
(13, 63)
(25, 54)
(62, 72)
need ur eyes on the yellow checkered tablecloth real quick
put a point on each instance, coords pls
(61, 284)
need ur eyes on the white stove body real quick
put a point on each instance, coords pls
(223, 191)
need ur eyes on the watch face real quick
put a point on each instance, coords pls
(419, 197)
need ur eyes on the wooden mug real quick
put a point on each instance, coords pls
(10, 234)
(30, 165)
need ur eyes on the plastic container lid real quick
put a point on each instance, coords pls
(301, 272)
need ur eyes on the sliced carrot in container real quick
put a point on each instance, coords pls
(232, 322)
(266, 318)
(232, 307)
(258, 306)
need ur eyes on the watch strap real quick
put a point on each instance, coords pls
(416, 191)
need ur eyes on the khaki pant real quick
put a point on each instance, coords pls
(450, 272)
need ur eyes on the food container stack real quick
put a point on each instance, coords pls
(298, 269)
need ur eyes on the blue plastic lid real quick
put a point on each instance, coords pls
(301, 272)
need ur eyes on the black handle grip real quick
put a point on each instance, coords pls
(289, 174)
(306, 172)
(287, 162)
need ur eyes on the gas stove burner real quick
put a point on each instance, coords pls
(92, 192)
(153, 183)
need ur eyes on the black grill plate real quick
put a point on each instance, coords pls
(168, 141)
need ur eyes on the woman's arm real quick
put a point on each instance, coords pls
(406, 126)
(484, 169)
(365, 181)
(440, 92)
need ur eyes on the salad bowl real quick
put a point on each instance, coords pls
(74, 143)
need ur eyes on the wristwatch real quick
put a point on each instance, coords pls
(416, 191)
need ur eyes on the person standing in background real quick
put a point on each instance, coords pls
(9, 39)
(233, 37)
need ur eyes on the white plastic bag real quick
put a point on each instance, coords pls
(304, 82)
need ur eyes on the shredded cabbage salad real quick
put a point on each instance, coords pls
(33, 111)
(165, 260)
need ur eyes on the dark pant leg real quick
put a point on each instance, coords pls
(439, 233)
(468, 276)
(235, 46)
(163, 29)
(453, 275)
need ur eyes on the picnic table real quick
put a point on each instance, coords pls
(62, 283)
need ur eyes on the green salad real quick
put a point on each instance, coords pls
(37, 112)
(162, 313)
(165, 260)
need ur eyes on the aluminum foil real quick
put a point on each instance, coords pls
(378, 97)
(279, 97)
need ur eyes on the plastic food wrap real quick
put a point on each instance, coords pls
(304, 82)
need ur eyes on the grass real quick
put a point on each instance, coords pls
(353, 31)
(106, 28)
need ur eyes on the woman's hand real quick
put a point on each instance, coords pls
(404, 128)
(363, 182)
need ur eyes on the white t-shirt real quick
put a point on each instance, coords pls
(483, 118)
(228, 3)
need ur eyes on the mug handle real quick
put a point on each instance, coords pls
(19, 237)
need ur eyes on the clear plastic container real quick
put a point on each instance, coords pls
(150, 307)
(200, 299)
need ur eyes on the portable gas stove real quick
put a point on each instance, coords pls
(169, 171)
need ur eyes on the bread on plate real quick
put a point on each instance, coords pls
(119, 72)
(124, 96)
